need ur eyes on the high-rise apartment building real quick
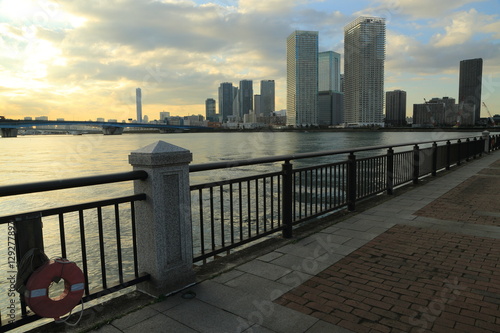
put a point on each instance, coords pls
(138, 104)
(226, 97)
(257, 103)
(164, 115)
(267, 97)
(210, 109)
(302, 78)
(364, 57)
(245, 94)
(395, 108)
(469, 88)
(328, 71)
(330, 99)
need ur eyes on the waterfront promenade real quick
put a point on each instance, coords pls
(426, 260)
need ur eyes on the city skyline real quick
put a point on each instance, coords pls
(71, 60)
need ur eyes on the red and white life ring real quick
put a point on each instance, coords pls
(37, 295)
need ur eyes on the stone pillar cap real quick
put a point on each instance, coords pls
(160, 153)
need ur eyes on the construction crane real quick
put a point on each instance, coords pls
(489, 114)
(433, 122)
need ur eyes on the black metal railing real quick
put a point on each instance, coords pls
(100, 236)
(230, 213)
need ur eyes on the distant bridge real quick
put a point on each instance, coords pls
(9, 128)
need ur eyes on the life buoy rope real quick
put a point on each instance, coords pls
(37, 294)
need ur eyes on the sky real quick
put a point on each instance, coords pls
(83, 59)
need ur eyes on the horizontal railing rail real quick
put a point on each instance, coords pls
(277, 201)
(52, 185)
(297, 156)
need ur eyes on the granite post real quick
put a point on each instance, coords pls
(163, 220)
(486, 138)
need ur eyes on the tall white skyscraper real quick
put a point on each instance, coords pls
(302, 78)
(138, 104)
(329, 71)
(364, 56)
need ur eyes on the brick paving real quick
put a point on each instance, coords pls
(408, 279)
(477, 200)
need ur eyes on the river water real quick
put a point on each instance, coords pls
(50, 157)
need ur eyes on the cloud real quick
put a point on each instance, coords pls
(416, 9)
(462, 27)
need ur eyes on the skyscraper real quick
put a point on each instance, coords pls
(267, 97)
(364, 56)
(395, 108)
(245, 97)
(257, 103)
(469, 88)
(328, 71)
(226, 96)
(210, 109)
(330, 99)
(138, 104)
(302, 78)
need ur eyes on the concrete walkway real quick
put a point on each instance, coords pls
(425, 261)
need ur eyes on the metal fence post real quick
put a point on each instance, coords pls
(416, 164)
(351, 182)
(467, 150)
(390, 171)
(459, 155)
(448, 155)
(163, 220)
(287, 203)
(434, 158)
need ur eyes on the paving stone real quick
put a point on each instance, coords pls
(263, 269)
(134, 318)
(227, 276)
(258, 286)
(258, 329)
(107, 329)
(206, 318)
(270, 256)
(168, 303)
(159, 323)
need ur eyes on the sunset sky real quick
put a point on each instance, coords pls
(80, 60)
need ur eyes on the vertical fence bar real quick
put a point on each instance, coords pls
(390, 171)
(264, 196)
(287, 169)
(118, 243)
(459, 155)
(62, 235)
(240, 208)
(101, 247)
(416, 163)
(84, 251)
(231, 211)
(249, 210)
(351, 182)
(212, 218)
(434, 158)
(134, 239)
(222, 235)
(474, 148)
(257, 206)
(202, 229)
(467, 150)
(448, 155)
(272, 202)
